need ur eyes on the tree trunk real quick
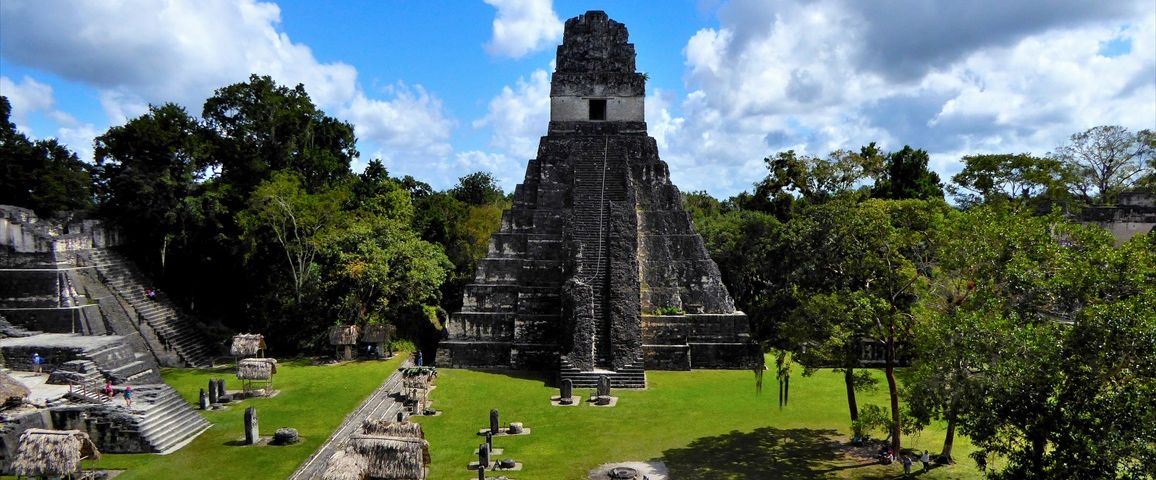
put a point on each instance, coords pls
(893, 389)
(787, 390)
(1039, 444)
(164, 254)
(949, 440)
(849, 380)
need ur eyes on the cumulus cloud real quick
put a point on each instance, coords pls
(27, 97)
(519, 115)
(954, 78)
(522, 27)
(138, 52)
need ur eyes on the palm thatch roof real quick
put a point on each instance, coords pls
(256, 368)
(375, 333)
(391, 429)
(12, 388)
(247, 344)
(346, 465)
(392, 458)
(52, 453)
(343, 335)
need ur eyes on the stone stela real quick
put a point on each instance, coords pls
(597, 242)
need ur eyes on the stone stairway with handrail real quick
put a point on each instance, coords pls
(176, 332)
(599, 179)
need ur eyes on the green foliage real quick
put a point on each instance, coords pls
(402, 345)
(818, 180)
(906, 176)
(668, 311)
(1036, 182)
(41, 175)
(478, 188)
(262, 127)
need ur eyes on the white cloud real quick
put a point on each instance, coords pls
(519, 115)
(522, 27)
(26, 97)
(819, 75)
(29, 97)
(138, 52)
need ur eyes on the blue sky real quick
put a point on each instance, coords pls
(441, 89)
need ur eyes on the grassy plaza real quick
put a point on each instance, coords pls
(705, 424)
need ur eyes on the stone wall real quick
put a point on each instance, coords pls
(21, 231)
(110, 427)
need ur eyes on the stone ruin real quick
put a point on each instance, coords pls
(597, 244)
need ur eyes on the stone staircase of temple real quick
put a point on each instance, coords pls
(599, 178)
(167, 421)
(631, 376)
(176, 331)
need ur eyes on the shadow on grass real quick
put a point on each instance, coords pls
(766, 453)
(544, 377)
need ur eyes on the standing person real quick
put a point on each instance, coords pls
(926, 459)
(906, 465)
(108, 389)
(37, 361)
(419, 358)
(128, 396)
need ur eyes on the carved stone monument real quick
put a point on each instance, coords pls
(597, 243)
(252, 432)
(484, 456)
(204, 400)
(221, 395)
(566, 392)
(213, 399)
(603, 386)
(494, 425)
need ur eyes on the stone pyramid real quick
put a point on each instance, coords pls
(597, 243)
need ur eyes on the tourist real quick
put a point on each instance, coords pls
(108, 389)
(906, 465)
(37, 361)
(419, 361)
(150, 293)
(926, 459)
(128, 396)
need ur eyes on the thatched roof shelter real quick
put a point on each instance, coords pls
(343, 335)
(247, 344)
(12, 388)
(375, 333)
(392, 429)
(346, 465)
(256, 368)
(52, 453)
(392, 458)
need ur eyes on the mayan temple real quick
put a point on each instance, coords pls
(597, 269)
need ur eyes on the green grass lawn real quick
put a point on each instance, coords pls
(704, 424)
(313, 399)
